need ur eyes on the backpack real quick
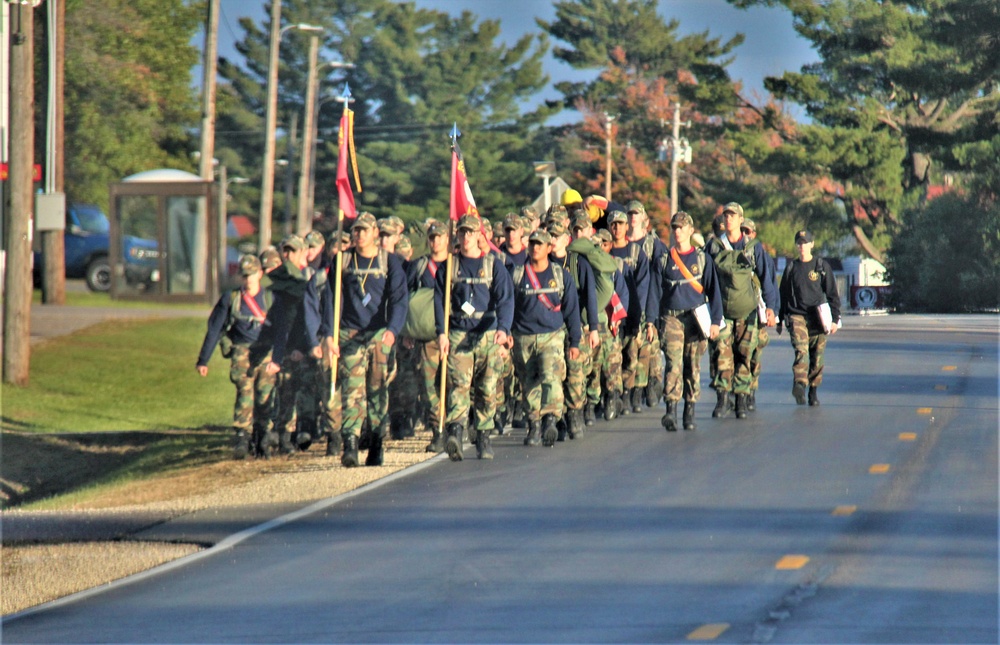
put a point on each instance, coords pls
(235, 300)
(381, 272)
(420, 314)
(488, 260)
(557, 276)
(604, 267)
(740, 284)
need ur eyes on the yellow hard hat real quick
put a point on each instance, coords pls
(570, 197)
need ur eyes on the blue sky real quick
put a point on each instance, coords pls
(770, 48)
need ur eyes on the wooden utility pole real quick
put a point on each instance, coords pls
(54, 241)
(270, 125)
(303, 222)
(17, 306)
(208, 91)
(608, 119)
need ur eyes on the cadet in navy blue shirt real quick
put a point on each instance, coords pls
(374, 303)
(687, 281)
(546, 322)
(481, 310)
(241, 323)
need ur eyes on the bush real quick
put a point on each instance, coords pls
(946, 258)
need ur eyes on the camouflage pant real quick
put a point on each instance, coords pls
(540, 362)
(683, 346)
(650, 360)
(809, 342)
(607, 372)
(630, 360)
(254, 391)
(576, 374)
(363, 375)
(430, 380)
(756, 361)
(405, 392)
(298, 393)
(474, 367)
(733, 349)
(330, 411)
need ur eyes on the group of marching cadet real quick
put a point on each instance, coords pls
(544, 322)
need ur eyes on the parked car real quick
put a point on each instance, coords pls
(87, 239)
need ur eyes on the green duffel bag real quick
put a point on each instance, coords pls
(420, 317)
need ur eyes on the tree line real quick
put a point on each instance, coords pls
(903, 103)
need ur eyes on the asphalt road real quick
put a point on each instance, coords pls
(870, 519)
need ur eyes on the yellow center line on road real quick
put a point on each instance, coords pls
(949, 368)
(842, 511)
(907, 436)
(924, 410)
(879, 469)
(791, 562)
(941, 387)
(708, 632)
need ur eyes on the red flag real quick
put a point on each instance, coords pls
(615, 310)
(345, 197)
(462, 201)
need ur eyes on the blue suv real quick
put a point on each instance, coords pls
(87, 238)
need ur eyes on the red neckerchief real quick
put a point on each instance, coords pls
(258, 313)
(433, 266)
(535, 284)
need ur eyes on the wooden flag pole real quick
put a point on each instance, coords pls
(338, 266)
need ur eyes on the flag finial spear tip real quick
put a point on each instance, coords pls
(347, 91)
(455, 134)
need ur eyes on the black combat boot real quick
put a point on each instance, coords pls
(562, 424)
(456, 441)
(588, 414)
(689, 423)
(364, 442)
(550, 430)
(437, 442)
(376, 452)
(285, 444)
(752, 401)
(741, 406)
(267, 441)
(799, 392)
(669, 419)
(350, 457)
(334, 443)
(574, 424)
(637, 399)
(654, 390)
(484, 449)
(241, 445)
(498, 420)
(304, 433)
(534, 436)
(722, 406)
(813, 396)
(610, 405)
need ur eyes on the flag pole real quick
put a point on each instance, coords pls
(339, 261)
(442, 403)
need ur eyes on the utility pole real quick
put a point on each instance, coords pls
(17, 297)
(270, 125)
(53, 240)
(304, 219)
(293, 132)
(608, 119)
(680, 151)
(208, 92)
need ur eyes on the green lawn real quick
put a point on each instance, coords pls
(121, 376)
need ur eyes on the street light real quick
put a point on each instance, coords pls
(267, 181)
(546, 170)
(309, 128)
